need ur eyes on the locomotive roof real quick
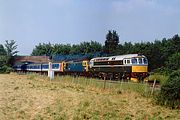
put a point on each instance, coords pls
(118, 57)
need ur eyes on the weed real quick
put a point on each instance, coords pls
(128, 117)
(38, 117)
(159, 78)
(118, 87)
(31, 77)
(16, 88)
(118, 92)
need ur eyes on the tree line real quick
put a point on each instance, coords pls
(162, 54)
(49, 49)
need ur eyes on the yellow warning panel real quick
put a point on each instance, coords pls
(139, 68)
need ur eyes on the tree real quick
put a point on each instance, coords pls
(3, 58)
(173, 62)
(6, 56)
(2, 50)
(95, 46)
(176, 43)
(90, 47)
(75, 49)
(86, 48)
(10, 47)
(3, 63)
(127, 48)
(61, 49)
(43, 49)
(111, 43)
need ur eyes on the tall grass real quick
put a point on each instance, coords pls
(117, 86)
(93, 83)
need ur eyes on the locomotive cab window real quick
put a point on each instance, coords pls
(145, 60)
(134, 61)
(140, 61)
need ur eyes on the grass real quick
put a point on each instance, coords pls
(118, 86)
(65, 98)
(158, 77)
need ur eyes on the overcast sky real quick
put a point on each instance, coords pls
(30, 22)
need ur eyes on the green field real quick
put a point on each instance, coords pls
(66, 98)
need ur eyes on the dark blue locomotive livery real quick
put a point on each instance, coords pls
(131, 66)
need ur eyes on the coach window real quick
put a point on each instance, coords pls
(128, 61)
(113, 58)
(124, 61)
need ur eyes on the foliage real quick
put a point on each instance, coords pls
(7, 54)
(158, 77)
(5, 69)
(55, 49)
(3, 61)
(61, 49)
(90, 47)
(111, 43)
(169, 94)
(2, 50)
(173, 62)
(86, 48)
(42, 49)
(11, 48)
(158, 52)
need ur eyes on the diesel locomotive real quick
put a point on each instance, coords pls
(131, 66)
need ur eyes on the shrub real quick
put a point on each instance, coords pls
(170, 91)
(159, 78)
(5, 69)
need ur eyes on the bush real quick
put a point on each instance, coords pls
(170, 91)
(5, 69)
(159, 78)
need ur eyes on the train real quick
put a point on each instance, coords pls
(129, 67)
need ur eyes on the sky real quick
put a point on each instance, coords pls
(30, 22)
